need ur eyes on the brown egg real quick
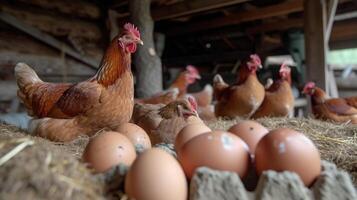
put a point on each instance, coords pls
(288, 150)
(217, 150)
(156, 175)
(188, 132)
(250, 132)
(194, 120)
(107, 150)
(136, 135)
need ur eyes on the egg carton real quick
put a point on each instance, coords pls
(332, 184)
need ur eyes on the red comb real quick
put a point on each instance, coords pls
(310, 85)
(132, 29)
(191, 69)
(255, 58)
(284, 67)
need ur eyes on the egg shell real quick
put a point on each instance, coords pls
(250, 132)
(107, 150)
(136, 135)
(156, 175)
(288, 150)
(188, 132)
(218, 150)
(194, 120)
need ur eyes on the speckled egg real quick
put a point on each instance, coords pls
(250, 132)
(285, 149)
(136, 135)
(188, 132)
(217, 150)
(107, 150)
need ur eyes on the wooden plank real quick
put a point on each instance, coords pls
(251, 15)
(8, 90)
(56, 25)
(48, 39)
(78, 8)
(43, 64)
(206, 58)
(315, 45)
(190, 7)
(331, 11)
(276, 26)
(345, 16)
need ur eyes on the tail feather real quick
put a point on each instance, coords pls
(25, 75)
(218, 80)
(59, 130)
(219, 86)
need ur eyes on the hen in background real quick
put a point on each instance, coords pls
(279, 99)
(66, 110)
(334, 109)
(243, 98)
(204, 101)
(163, 122)
(184, 79)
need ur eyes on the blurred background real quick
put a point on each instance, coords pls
(64, 40)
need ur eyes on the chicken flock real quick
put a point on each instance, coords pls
(63, 111)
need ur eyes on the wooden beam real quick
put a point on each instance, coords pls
(186, 8)
(251, 15)
(190, 7)
(315, 45)
(206, 58)
(344, 16)
(42, 64)
(54, 24)
(280, 25)
(48, 39)
(8, 90)
(331, 11)
(79, 8)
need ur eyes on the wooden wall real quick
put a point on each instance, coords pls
(77, 24)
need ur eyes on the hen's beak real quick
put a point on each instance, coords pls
(198, 76)
(260, 66)
(140, 42)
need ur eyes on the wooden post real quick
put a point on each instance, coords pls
(146, 60)
(315, 43)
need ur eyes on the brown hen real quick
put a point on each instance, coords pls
(325, 108)
(279, 99)
(65, 111)
(243, 98)
(163, 123)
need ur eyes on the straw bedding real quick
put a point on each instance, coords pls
(39, 169)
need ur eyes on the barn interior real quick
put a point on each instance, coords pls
(64, 41)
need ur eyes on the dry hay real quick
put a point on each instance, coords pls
(336, 142)
(40, 169)
(47, 170)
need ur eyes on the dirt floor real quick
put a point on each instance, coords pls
(35, 168)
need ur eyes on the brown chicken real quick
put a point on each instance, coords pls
(163, 122)
(352, 101)
(205, 108)
(243, 98)
(163, 97)
(184, 79)
(335, 109)
(279, 99)
(67, 110)
(204, 97)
